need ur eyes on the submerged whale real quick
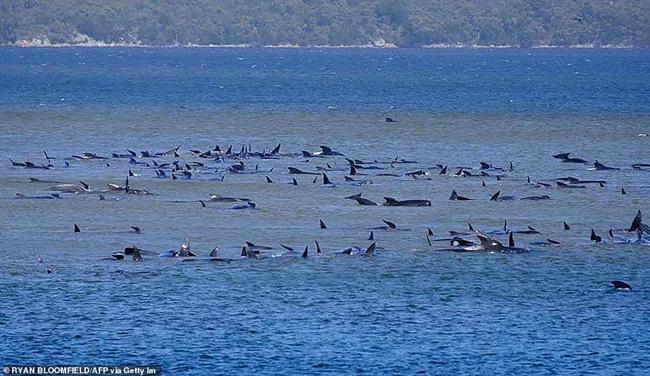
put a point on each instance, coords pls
(361, 200)
(455, 197)
(390, 201)
(621, 286)
(486, 244)
(297, 171)
(51, 196)
(564, 157)
(356, 251)
(497, 197)
(71, 188)
(219, 198)
(600, 167)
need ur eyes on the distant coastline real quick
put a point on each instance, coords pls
(37, 43)
(326, 24)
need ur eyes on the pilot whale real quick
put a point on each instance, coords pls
(488, 244)
(390, 201)
(361, 200)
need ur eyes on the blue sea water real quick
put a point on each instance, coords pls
(408, 309)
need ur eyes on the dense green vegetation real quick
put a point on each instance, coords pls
(329, 22)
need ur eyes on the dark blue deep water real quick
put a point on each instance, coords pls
(408, 308)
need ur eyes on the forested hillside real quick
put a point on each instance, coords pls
(405, 23)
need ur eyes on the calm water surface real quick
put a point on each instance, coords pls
(407, 310)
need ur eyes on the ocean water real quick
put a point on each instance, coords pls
(409, 308)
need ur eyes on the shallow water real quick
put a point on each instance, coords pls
(406, 310)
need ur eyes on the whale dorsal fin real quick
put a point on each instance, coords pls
(620, 285)
(390, 224)
(593, 235)
(326, 149)
(636, 222)
(370, 250)
(322, 224)
(488, 243)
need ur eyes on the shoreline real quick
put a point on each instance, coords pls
(290, 46)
